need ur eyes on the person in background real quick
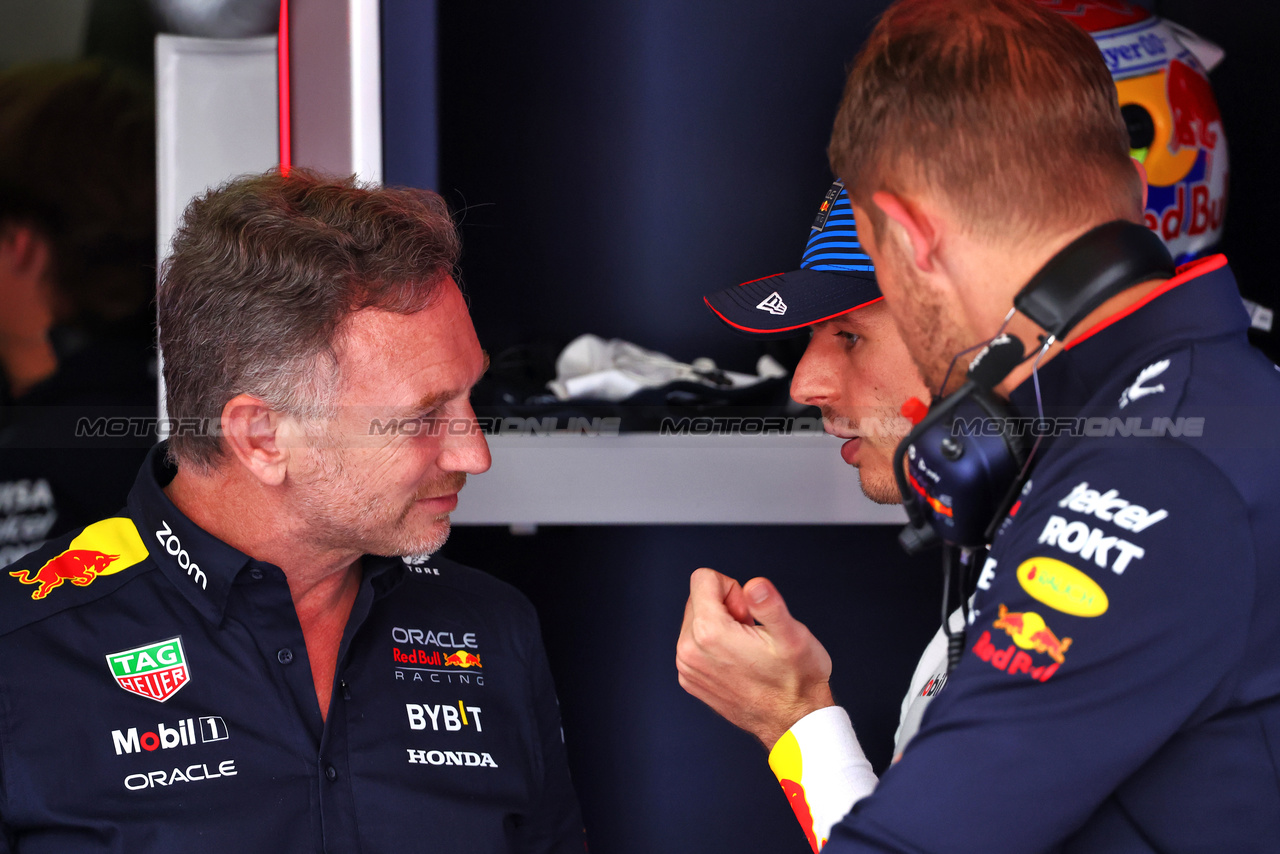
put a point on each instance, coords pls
(77, 273)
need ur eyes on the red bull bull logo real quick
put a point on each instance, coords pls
(79, 566)
(1029, 634)
(103, 548)
(463, 659)
(1028, 631)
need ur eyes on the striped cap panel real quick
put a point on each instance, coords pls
(833, 240)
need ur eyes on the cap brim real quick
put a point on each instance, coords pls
(804, 297)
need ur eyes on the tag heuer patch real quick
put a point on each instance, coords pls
(155, 671)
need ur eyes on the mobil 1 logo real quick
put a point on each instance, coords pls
(165, 737)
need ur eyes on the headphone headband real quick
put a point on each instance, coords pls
(1090, 270)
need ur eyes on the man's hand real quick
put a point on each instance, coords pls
(762, 678)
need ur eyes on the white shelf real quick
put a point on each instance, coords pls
(649, 479)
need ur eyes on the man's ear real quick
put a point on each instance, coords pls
(1142, 173)
(918, 227)
(257, 436)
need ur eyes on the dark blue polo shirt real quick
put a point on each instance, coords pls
(155, 696)
(1120, 690)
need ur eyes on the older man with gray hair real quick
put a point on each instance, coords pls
(240, 660)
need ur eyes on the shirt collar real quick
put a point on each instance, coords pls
(1202, 301)
(200, 565)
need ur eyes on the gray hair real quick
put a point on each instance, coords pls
(265, 269)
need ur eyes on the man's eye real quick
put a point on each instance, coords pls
(850, 338)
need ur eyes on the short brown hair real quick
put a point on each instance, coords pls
(265, 269)
(1002, 107)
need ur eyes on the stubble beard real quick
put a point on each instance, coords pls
(921, 317)
(344, 513)
(878, 486)
(881, 429)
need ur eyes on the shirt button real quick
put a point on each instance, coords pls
(285, 655)
(331, 773)
(255, 574)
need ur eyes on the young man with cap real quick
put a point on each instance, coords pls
(856, 368)
(1119, 689)
(764, 677)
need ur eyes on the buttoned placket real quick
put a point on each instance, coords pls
(278, 634)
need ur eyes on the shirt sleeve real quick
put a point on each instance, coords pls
(1111, 615)
(822, 770)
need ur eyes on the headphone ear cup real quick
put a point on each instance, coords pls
(959, 467)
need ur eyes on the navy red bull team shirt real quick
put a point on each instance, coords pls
(1120, 688)
(155, 696)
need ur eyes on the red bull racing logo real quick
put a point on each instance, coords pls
(1029, 633)
(103, 548)
(455, 663)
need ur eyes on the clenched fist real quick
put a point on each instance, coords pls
(744, 655)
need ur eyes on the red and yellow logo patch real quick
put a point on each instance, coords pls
(1028, 631)
(463, 659)
(103, 548)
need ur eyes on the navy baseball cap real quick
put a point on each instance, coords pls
(835, 277)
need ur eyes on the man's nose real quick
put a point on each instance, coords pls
(463, 446)
(813, 383)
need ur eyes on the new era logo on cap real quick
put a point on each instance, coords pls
(835, 276)
(773, 304)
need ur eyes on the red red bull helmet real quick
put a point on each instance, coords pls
(1162, 77)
